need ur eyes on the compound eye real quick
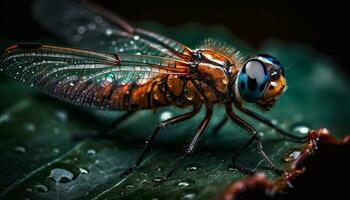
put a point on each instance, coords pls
(253, 80)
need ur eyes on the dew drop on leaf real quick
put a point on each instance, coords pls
(91, 152)
(130, 186)
(29, 190)
(61, 175)
(232, 168)
(29, 127)
(301, 129)
(4, 118)
(193, 167)
(188, 196)
(183, 184)
(83, 171)
(20, 149)
(61, 115)
(56, 150)
(157, 180)
(165, 115)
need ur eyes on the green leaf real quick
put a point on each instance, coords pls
(39, 159)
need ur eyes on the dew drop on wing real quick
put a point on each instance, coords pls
(110, 78)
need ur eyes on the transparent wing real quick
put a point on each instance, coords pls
(87, 25)
(83, 77)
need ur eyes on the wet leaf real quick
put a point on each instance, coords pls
(39, 159)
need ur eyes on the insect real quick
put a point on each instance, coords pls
(131, 69)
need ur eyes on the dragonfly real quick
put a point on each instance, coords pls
(117, 66)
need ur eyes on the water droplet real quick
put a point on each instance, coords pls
(183, 184)
(274, 121)
(83, 171)
(136, 37)
(92, 26)
(56, 130)
(29, 127)
(61, 115)
(292, 156)
(91, 152)
(20, 149)
(108, 32)
(81, 29)
(41, 188)
(165, 115)
(301, 129)
(192, 167)
(130, 186)
(261, 134)
(110, 78)
(61, 175)
(56, 150)
(188, 196)
(98, 19)
(158, 169)
(232, 168)
(29, 190)
(4, 118)
(157, 179)
(71, 84)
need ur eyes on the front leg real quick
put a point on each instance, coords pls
(250, 129)
(272, 125)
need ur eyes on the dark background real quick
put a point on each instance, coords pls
(322, 25)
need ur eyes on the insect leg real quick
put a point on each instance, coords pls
(218, 127)
(198, 135)
(104, 132)
(250, 129)
(153, 136)
(272, 125)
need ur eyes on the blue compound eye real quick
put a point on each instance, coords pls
(253, 80)
(278, 66)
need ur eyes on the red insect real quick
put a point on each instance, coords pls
(143, 70)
